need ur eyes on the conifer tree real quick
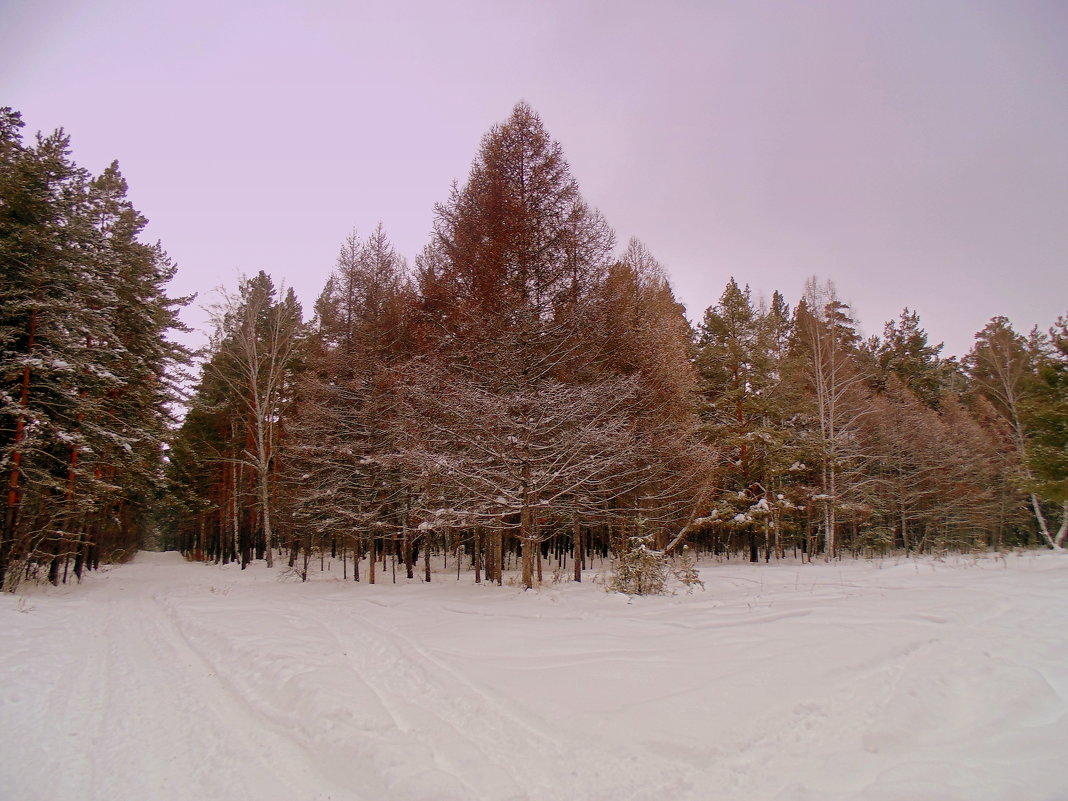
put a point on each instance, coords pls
(344, 480)
(85, 361)
(643, 333)
(1045, 414)
(904, 350)
(1001, 367)
(744, 406)
(1022, 381)
(515, 269)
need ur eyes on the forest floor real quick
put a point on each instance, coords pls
(899, 679)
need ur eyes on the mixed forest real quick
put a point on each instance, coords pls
(528, 393)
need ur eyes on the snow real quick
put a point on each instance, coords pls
(880, 681)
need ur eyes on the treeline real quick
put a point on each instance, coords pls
(521, 393)
(86, 374)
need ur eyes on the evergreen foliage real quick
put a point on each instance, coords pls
(640, 570)
(1046, 416)
(87, 372)
(1015, 380)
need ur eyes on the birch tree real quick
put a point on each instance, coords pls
(1003, 367)
(827, 343)
(1046, 416)
(256, 343)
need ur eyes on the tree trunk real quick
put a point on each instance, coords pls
(53, 565)
(832, 521)
(577, 539)
(527, 545)
(79, 557)
(478, 556)
(14, 494)
(498, 558)
(406, 547)
(265, 502)
(1055, 541)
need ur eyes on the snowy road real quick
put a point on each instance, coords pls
(876, 681)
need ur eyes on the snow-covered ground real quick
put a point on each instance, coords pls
(900, 679)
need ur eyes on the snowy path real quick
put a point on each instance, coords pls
(876, 681)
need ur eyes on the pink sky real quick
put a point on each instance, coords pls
(914, 152)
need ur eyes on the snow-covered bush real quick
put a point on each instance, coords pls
(685, 570)
(640, 571)
(643, 570)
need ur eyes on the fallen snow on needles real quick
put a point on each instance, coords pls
(893, 680)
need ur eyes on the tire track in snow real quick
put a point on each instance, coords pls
(961, 688)
(244, 755)
(312, 708)
(318, 692)
(494, 747)
(163, 723)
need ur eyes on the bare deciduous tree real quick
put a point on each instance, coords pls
(256, 341)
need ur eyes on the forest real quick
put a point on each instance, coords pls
(528, 393)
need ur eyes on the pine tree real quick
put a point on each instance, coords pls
(640, 569)
(905, 351)
(745, 404)
(84, 364)
(136, 386)
(204, 509)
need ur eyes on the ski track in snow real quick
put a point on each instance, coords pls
(898, 680)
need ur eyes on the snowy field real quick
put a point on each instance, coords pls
(909, 680)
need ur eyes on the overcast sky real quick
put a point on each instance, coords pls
(914, 152)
